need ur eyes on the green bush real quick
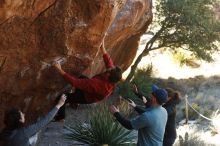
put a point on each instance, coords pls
(101, 129)
(191, 113)
(207, 113)
(184, 59)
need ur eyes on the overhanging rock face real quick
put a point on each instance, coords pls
(33, 32)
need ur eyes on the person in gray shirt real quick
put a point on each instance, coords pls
(16, 134)
(149, 123)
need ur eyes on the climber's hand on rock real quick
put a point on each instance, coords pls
(58, 68)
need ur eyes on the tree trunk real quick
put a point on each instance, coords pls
(145, 52)
(134, 66)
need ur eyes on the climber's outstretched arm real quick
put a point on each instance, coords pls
(102, 47)
(106, 57)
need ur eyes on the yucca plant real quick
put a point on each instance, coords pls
(124, 107)
(190, 140)
(215, 127)
(101, 130)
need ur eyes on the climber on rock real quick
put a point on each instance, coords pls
(91, 90)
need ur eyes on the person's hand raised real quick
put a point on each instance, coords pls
(135, 89)
(61, 101)
(113, 109)
(131, 102)
(144, 99)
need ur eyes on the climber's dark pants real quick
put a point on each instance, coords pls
(72, 98)
(75, 98)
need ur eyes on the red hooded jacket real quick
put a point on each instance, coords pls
(96, 88)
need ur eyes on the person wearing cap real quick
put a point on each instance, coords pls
(173, 99)
(150, 123)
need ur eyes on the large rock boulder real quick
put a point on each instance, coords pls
(33, 32)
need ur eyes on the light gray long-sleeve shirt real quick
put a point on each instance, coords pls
(20, 137)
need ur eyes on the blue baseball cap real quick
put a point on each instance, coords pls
(159, 93)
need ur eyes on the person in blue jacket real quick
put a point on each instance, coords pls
(170, 106)
(16, 134)
(150, 123)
